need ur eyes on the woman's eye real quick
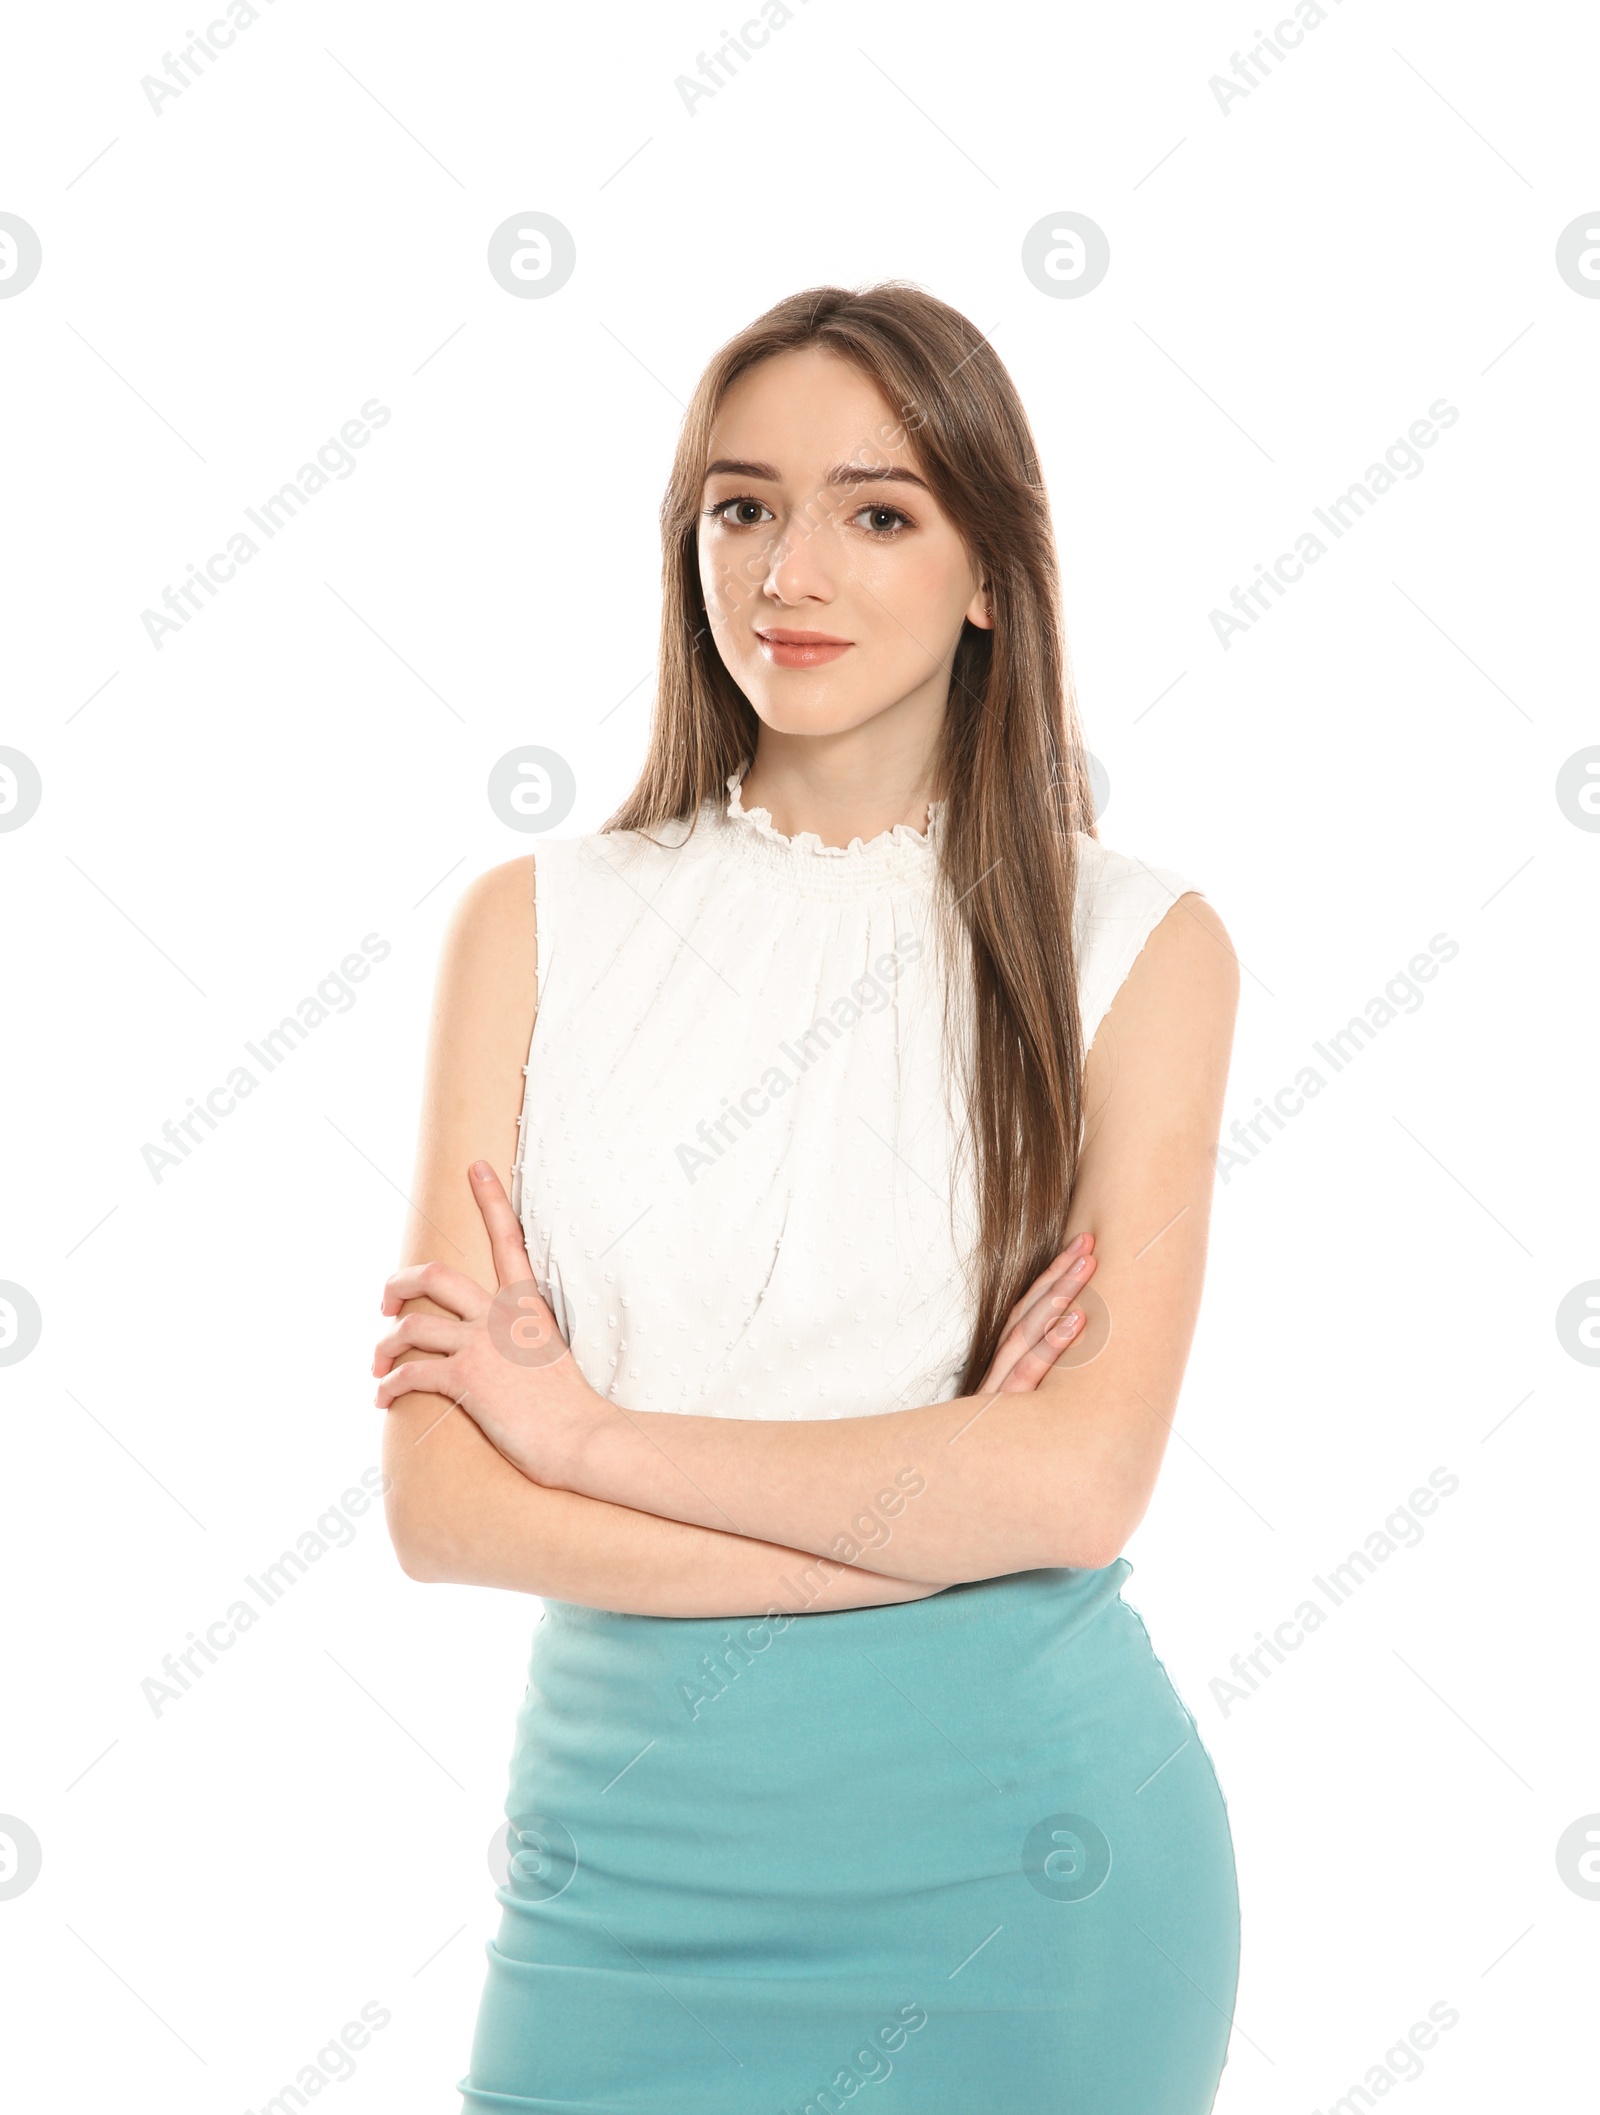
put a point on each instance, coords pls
(881, 520)
(740, 513)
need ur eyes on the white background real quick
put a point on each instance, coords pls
(1292, 283)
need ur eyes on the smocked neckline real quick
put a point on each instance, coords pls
(806, 844)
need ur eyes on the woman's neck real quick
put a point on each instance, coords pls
(843, 786)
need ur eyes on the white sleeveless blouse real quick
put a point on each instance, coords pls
(740, 1166)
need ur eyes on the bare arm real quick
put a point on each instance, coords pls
(1057, 1476)
(457, 1509)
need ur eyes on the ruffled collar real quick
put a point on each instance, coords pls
(809, 843)
(898, 854)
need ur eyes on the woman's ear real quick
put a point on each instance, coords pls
(979, 611)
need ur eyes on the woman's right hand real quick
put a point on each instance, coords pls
(1043, 1323)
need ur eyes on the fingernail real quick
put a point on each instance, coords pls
(482, 1170)
(1066, 1327)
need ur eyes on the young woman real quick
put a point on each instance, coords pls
(851, 1055)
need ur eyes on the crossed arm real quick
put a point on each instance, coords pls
(458, 1511)
(573, 1497)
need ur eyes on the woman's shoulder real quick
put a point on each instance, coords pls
(1109, 879)
(500, 897)
(509, 890)
(590, 888)
(492, 926)
(1123, 901)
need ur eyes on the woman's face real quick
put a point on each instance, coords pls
(835, 585)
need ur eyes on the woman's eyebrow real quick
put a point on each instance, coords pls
(726, 465)
(862, 474)
(841, 474)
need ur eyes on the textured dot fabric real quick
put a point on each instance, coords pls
(967, 1856)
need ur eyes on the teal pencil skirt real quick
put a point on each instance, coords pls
(968, 1853)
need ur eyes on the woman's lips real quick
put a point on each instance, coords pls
(788, 649)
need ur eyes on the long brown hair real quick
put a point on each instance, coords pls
(1012, 769)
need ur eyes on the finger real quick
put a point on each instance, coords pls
(416, 1377)
(447, 1288)
(506, 1239)
(1065, 1329)
(1022, 1336)
(1064, 1288)
(419, 1332)
(1080, 1244)
(1039, 1315)
(1031, 1368)
(1021, 1339)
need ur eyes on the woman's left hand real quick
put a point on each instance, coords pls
(1040, 1327)
(505, 1362)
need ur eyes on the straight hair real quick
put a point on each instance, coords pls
(1011, 770)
